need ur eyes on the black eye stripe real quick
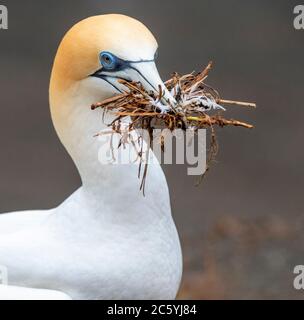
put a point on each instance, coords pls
(106, 79)
(119, 64)
(112, 63)
(135, 69)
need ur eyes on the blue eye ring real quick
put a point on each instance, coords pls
(108, 60)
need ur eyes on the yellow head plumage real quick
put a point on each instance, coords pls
(78, 53)
(92, 57)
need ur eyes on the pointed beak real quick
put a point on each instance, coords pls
(150, 79)
(144, 72)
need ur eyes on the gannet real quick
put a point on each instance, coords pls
(106, 241)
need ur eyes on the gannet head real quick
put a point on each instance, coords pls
(98, 51)
(90, 60)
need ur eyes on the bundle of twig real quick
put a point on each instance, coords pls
(193, 100)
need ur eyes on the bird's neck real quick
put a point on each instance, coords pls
(77, 125)
(110, 193)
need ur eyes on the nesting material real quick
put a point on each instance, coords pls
(197, 106)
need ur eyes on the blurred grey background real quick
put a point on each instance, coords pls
(242, 228)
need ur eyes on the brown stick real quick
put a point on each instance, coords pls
(237, 103)
(137, 114)
(220, 122)
(108, 101)
(205, 73)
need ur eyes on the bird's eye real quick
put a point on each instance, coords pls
(108, 60)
